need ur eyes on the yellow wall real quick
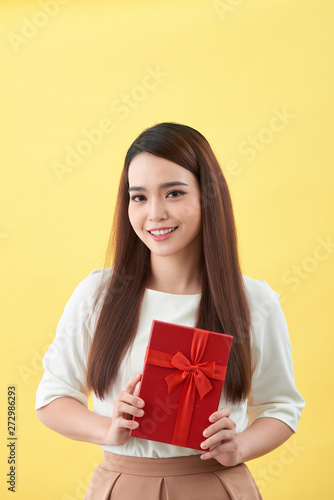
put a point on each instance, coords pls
(227, 68)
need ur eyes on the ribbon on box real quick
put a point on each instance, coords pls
(195, 375)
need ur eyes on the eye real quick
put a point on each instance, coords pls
(175, 194)
(138, 197)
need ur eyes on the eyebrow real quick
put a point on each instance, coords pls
(164, 186)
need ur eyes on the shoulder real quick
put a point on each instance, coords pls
(268, 324)
(265, 308)
(94, 279)
(88, 288)
(259, 293)
(82, 303)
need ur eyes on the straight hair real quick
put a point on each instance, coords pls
(223, 306)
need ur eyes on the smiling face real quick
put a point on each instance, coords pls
(164, 206)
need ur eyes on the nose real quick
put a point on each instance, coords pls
(157, 209)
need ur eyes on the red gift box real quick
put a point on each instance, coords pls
(181, 385)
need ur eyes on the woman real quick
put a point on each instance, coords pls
(175, 259)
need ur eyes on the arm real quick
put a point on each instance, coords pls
(72, 419)
(230, 448)
(274, 404)
(263, 436)
(61, 397)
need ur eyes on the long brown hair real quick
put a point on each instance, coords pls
(223, 306)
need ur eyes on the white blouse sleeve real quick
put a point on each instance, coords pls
(66, 358)
(273, 391)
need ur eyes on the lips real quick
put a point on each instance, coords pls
(162, 231)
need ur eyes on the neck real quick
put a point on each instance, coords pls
(179, 275)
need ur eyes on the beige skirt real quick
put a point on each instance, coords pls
(121, 477)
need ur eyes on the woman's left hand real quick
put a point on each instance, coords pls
(222, 439)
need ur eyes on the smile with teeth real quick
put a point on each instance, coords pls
(162, 231)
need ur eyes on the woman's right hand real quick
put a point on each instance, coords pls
(126, 405)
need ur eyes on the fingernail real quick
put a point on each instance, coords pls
(203, 456)
(140, 403)
(203, 445)
(140, 413)
(205, 433)
(212, 418)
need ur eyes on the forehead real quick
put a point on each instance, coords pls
(149, 169)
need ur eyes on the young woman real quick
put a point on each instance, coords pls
(174, 252)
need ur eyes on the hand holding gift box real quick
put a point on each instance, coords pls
(182, 382)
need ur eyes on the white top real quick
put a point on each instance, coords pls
(273, 392)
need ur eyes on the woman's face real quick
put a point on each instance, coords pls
(164, 206)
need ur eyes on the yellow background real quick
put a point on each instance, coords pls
(226, 68)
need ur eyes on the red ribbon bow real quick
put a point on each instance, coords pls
(195, 375)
